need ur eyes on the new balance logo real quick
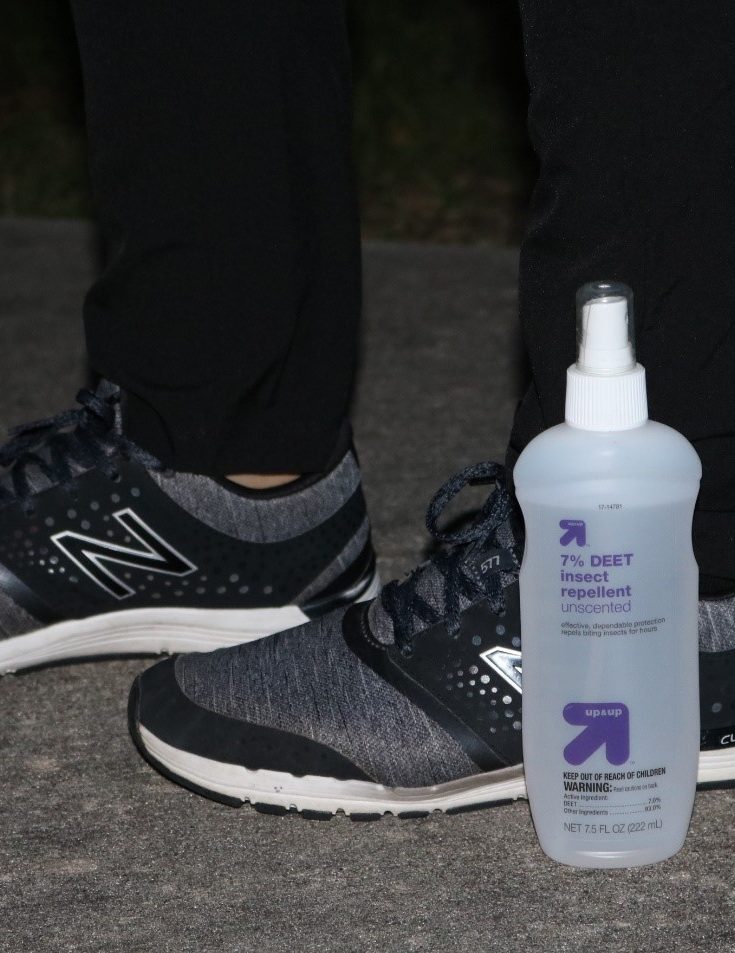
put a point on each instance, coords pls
(93, 556)
(507, 663)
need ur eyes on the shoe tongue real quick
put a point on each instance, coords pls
(500, 554)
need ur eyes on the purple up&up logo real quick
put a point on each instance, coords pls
(605, 723)
(575, 531)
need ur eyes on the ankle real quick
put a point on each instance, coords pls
(263, 481)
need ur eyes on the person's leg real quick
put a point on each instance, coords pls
(220, 156)
(632, 114)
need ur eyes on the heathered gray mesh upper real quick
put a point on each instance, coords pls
(13, 619)
(308, 682)
(716, 625)
(261, 520)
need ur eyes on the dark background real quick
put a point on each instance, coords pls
(440, 100)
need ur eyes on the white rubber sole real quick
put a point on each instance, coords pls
(328, 795)
(716, 767)
(322, 795)
(150, 632)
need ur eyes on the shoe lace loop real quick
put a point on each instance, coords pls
(85, 436)
(402, 600)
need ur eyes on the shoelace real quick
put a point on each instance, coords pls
(85, 435)
(401, 599)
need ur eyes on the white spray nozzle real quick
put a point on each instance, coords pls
(606, 389)
(605, 345)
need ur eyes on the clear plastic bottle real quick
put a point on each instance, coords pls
(609, 610)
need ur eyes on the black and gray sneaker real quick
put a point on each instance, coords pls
(408, 705)
(103, 552)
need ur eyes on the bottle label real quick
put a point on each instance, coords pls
(605, 574)
(607, 665)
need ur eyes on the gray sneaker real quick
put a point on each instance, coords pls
(103, 552)
(407, 705)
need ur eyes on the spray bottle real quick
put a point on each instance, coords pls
(609, 610)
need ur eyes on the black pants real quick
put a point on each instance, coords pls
(219, 144)
(219, 140)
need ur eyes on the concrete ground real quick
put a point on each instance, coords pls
(99, 853)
